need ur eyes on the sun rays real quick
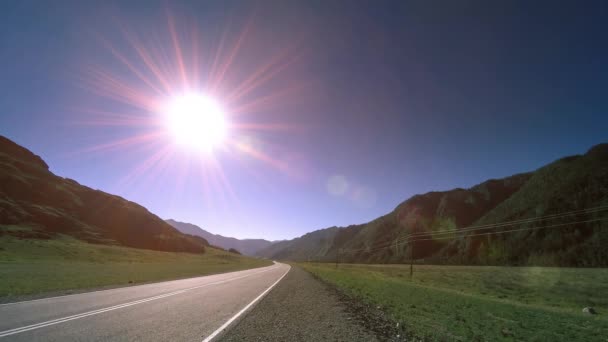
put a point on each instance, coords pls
(218, 79)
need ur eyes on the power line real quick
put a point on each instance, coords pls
(521, 229)
(480, 234)
(408, 238)
(490, 226)
(510, 223)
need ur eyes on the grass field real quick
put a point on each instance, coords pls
(32, 266)
(475, 303)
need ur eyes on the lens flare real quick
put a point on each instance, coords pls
(175, 89)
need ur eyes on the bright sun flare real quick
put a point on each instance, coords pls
(196, 120)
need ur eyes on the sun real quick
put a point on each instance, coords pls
(196, 120)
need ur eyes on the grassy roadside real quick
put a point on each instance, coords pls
(468, 303)
(32, 266)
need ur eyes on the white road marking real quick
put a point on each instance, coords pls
(238, 314)
(115, 307)
(112, 289)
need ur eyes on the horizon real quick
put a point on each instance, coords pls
(359, 223)
(210, 230)
(342, 114)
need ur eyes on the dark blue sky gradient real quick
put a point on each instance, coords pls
(403, 98)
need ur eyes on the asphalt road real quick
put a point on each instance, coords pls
(193, 309)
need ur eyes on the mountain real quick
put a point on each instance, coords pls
(245, 246)
(35, 203)
(316, 245)
(569, 184)
(457, 207)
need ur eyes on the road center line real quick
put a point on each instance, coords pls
(113, 289)
(115, 307)
(238, 314)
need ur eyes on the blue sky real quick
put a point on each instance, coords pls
(385, 101)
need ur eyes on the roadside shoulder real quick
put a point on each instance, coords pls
(299, 308)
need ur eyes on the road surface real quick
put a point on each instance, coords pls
(194, 309)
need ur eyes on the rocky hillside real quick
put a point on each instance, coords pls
(35, 203)
(566, 185)
(570, 184)
(245, 246)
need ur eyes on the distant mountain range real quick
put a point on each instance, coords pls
(568, 197)
(35, 203)
(245, 246)
(554, 216)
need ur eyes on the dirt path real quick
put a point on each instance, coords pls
(299, 308)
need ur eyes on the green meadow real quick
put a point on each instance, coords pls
(34, 266)
(478, 303)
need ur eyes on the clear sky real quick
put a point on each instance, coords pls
(337, 111)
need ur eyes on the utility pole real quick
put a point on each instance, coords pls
(337, 257)
(396, 250)
(411, 260)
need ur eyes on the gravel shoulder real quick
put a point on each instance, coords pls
(300, 308)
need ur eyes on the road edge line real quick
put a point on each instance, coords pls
(224, 326)
(122, 286)
(60, 320)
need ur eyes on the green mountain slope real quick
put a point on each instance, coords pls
(568, 184)
(455, 208)
(35, 203)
